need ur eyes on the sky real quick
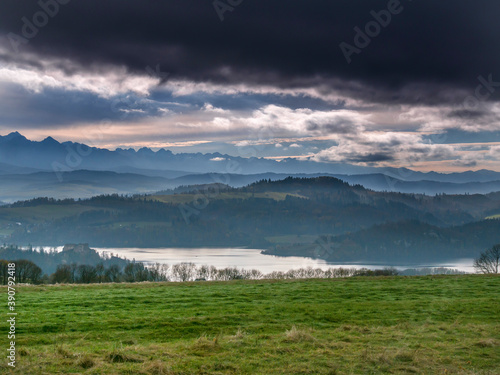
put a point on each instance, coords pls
(404, 83)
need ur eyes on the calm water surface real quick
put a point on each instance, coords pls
(251, 259)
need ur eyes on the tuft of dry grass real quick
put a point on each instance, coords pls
(86, 362)
(203, 343)
(129, 342)
(298, 335)
(487, 343)
(117, 357)
(23, 352)
(383, 359)
(64, 353)
(404, 357)
(239, 335)
(157, 368)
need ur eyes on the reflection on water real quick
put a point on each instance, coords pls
(251, 259)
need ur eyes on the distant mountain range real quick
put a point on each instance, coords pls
(48, 155)
(72, 170)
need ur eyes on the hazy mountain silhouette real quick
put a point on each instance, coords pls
(49, 154)
(49, 168)
(17, 150)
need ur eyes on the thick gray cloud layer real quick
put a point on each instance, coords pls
(427, 51)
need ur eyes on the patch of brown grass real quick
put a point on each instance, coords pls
(157, 368)
(205, 344)
(405, 357)
(86, 362)
(487, 343)
(64, 353)
(129, 342)
(298, 335)
(239, 335)
(117, 357)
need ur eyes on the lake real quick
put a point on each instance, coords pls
(252, 259)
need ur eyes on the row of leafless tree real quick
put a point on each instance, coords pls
(191, 272)
(138, 272)
(29, 272)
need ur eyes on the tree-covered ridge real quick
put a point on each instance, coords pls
(49, 259)
(393, 243)
(215, 215)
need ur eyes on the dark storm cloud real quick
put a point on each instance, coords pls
(342, 126)
(425, 54)
(465, 163)
(464, 113)
(370, 158)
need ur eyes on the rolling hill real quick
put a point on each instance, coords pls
(358, 221)
(405, 241)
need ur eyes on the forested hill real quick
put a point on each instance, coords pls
(401, 242)
(264, 214)
(72, 254)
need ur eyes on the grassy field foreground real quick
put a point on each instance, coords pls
(435, 325)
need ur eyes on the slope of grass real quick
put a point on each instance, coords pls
(187, 198)
(493, 217)
(42, 212)
(422, 325)
(293, 239)
(6, 232)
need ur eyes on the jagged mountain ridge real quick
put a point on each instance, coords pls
(49, 154)
(49, 168)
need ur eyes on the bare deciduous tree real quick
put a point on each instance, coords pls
(488, 261)
(184, 271)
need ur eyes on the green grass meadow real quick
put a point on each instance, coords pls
(399, 325)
